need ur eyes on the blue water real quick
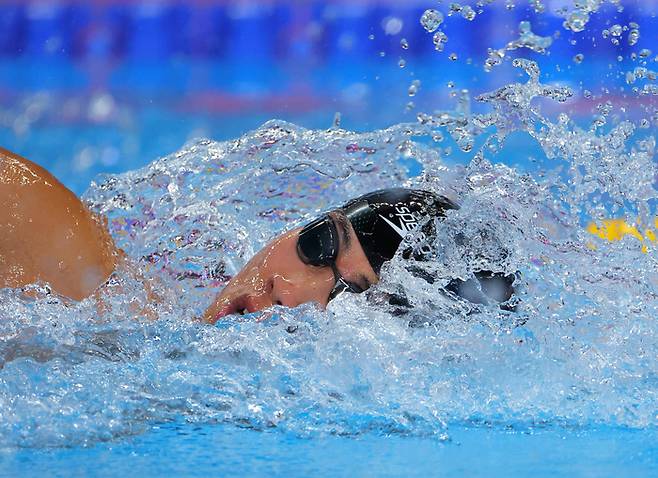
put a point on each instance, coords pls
(230, 451)
(355, 392)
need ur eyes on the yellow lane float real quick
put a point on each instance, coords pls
(617, 229)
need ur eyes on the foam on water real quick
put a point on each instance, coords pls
(405, 357)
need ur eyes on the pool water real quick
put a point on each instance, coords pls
(566, 385)
(231, 451)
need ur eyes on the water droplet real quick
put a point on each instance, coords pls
(414, 87)
(616, 30)
(404, 44)
(439, 39)
(382, 54)
(538, 6)
(587, 94)
(604, 108)
(337, 118)
(392, 25)
(453, 56)
(454, 8)
(633, 36)
(578, 58)
(431, 19)
(451, 84)
(402, 63)
(468, 13)
(598, 121)
(410, 106)
(576, 21)
(509, 4)
(645, 52)
(494, 58)
(527, 39)
(371, 37)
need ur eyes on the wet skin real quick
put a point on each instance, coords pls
(47, 234)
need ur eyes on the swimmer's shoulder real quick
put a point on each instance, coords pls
(17, 172)
(47, 233)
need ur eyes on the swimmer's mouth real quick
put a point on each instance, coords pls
(242, 305)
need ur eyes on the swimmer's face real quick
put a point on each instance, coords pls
(290, 271)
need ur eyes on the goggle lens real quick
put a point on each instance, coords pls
(317, 245)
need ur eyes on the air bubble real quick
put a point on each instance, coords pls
(402, 63)
(578, 58)
(453, 56)
(404, 44)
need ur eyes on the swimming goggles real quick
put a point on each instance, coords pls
(318, 245)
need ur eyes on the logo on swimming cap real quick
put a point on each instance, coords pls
(408, 222)
(373, 215)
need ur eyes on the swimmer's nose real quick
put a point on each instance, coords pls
(291, 293)
(282, 293)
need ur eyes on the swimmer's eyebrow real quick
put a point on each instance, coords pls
(341, 220)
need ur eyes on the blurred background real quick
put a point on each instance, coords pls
(109, 85)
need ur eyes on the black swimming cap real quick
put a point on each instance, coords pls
(381, 219)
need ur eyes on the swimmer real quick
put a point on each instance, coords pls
(48, 235)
